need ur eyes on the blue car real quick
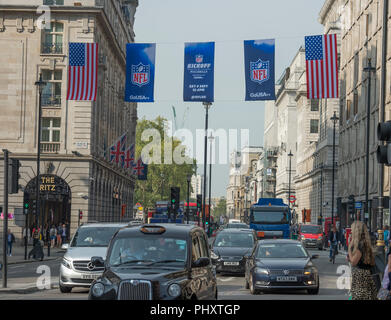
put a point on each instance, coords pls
(281, 264)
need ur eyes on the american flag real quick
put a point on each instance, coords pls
(82, 71)
(322, 66)
(117, 150)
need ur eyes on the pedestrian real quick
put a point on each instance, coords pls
(35, 235)
(10, 241)
(64, 234)
(53, 235)
(333, 240)
(59, 233)
(362, 259)
(385, 290)
(386, 237)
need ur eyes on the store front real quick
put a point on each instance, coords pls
(55, 201)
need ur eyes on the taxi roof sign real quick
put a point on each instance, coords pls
(152, 229)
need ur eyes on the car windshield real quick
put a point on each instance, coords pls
(157, 251)
(311, 229)
(281, 251)
(270, 217)
(237, 226)
(93, 236)
(239, 240)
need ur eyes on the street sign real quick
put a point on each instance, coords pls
(358, 205)
(292, 199)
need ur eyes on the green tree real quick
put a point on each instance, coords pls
(220, 209)
(161, 176)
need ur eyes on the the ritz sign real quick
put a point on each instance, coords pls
(47, 184)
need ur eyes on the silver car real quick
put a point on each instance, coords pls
(89, 240)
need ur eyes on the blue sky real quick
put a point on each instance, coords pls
(171, 23)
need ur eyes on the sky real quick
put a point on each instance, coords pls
(171, 23)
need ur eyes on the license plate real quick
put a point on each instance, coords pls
(231, 263)
(261, 234)
(287, 279)
(90, 276)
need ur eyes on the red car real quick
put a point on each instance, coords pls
(311, 235)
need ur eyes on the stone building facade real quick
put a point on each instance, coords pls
(76, 135)
(362, 34)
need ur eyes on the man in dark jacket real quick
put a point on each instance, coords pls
(10, 241)
(334, 239)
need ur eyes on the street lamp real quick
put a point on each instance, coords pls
(368, 69)
(334, 118)
(290, 155)
(188, 197)
(40, 86)
(207, 106)
(211, 138)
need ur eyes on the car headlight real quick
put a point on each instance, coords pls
(320, 237)
(98, 289)
(214, 255)
(174, 290)
(302, 238)
(66, 263)
(309, 271)
(261, 271)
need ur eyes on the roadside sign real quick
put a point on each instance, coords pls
(292, 199)
(358, 205)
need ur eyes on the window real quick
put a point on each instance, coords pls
(355, 104)
(51, 129)
(51, 95)
(348, 106)
(314, 126)
(315, 105)
(52, 39)
(196, 250)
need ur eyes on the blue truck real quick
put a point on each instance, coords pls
(271, 219)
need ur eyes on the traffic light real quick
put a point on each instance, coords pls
(175, 199)
(350, 206)
(34, 206)
(199, 202)
(384, 134)
(26, 203)
(80, 214)
(13, 176)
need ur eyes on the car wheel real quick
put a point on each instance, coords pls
(65, 289)
(313, 291)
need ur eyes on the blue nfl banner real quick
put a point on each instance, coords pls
(199, 72)
(259, 68)
(140, 72)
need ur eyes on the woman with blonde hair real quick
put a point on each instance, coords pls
(362, 259)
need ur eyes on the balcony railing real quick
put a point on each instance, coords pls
(49, 100)
(52, 48)
(50, 147)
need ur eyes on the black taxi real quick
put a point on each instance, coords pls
(156, 262)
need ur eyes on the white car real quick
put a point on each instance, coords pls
(234, 221)
(90, 240)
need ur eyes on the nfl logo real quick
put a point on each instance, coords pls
(140, 74)
(259, 71)
(199, 58)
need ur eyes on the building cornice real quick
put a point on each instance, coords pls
(325, 10)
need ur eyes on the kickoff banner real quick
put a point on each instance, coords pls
(140, 72)
(199, 72)
(259, 68)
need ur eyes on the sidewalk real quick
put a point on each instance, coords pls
(18, 253)
(25, 285)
